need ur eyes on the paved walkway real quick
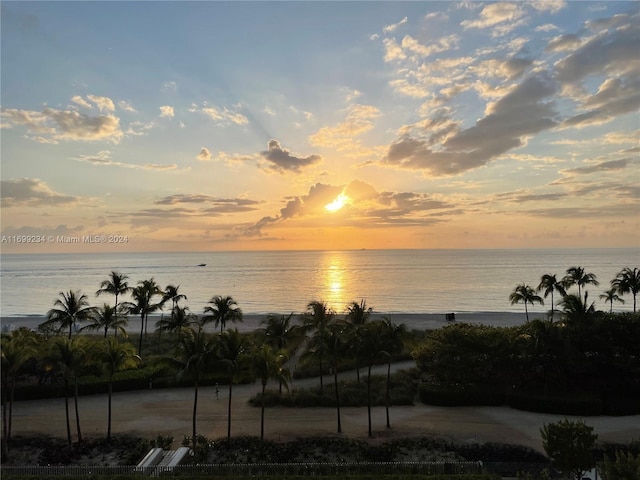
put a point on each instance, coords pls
(150, 413)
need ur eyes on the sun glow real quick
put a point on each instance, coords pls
(340, 201)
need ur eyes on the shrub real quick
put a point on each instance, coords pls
(474, 395)
(557, 402)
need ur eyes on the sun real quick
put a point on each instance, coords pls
(340, 201)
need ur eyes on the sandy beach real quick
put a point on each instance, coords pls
(418, 321)
(168, 411)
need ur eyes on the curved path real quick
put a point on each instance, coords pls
(149, 413)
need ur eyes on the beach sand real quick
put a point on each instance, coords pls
(168, 411)
(418, 321)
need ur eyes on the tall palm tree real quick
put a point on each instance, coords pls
(357, 316)
(578, 276)
(115, 285)
(221, 311)
(525, 294)
(71, 308)
(194, 355)
(611, 296)
(106, 318)
(171, 293)
(278, 332)
(143, 304)
(318, 316)
(68, 355)
(374, 347)
(394, 335)
(269, 364)
(18, 348)
(549, 284)
(233, 353)
(116, 357)
(336, 348)
(628, 281)
(179, 320)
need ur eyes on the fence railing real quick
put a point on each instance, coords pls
(250, 469)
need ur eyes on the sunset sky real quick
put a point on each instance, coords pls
(177, 126)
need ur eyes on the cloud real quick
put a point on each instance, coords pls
(614, 52)
(217, 205)
(45, 230)
(65, 124)
(502, 128)
(553, 6)
(31, 192)
(394, 26)
(224, 115)
(104, 104)
(169, 86)
(126, 106)
(358, 121)
(494, 14)
(281, 160)
(601, 167)
(103, 158)
(166, 111)
(204, 154)
(367, 207)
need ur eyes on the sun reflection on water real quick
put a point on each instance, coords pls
(334, 278)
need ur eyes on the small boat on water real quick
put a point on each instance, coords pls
(202, 265)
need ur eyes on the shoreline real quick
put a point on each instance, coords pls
(251, 321)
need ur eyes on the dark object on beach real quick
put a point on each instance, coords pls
(450, 317)
(202, 265)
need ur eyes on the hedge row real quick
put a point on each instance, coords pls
(484, 476)
(587, 404)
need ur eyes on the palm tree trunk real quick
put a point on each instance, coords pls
(369, 401)
(195, 409)
(109, 408)
(321, 381)
(335, 382)
(70, 325)
(264, 387)
(5, 448)
(386, 400)
(75, 391)
(229, 414)
(141, 333)
(526, 310)
(66, 410)
(13, 387)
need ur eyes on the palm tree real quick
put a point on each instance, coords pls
(357, 316)
(525, 294)
(194, 354)
(179, 320)
(72, 307)
(143, 304)
(106, 318)
(171, 293)
(335, 348)
(317, 318)
(115, 285)
(394, 334)
(116, 357)
(549, 284)
(575, 310)
(281, 335)
(68, 356)
(221, 311)
(17, 349)
(628, 281)
(269, 364)
(374, 347)
(577, 276)
(611, 296)
(233, 349)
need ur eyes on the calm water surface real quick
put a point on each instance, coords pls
(392, 281)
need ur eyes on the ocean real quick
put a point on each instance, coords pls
(391, 281)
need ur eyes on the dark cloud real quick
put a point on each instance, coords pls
(601, 167)
(522, 112)
(280, 160)
(31, 192)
